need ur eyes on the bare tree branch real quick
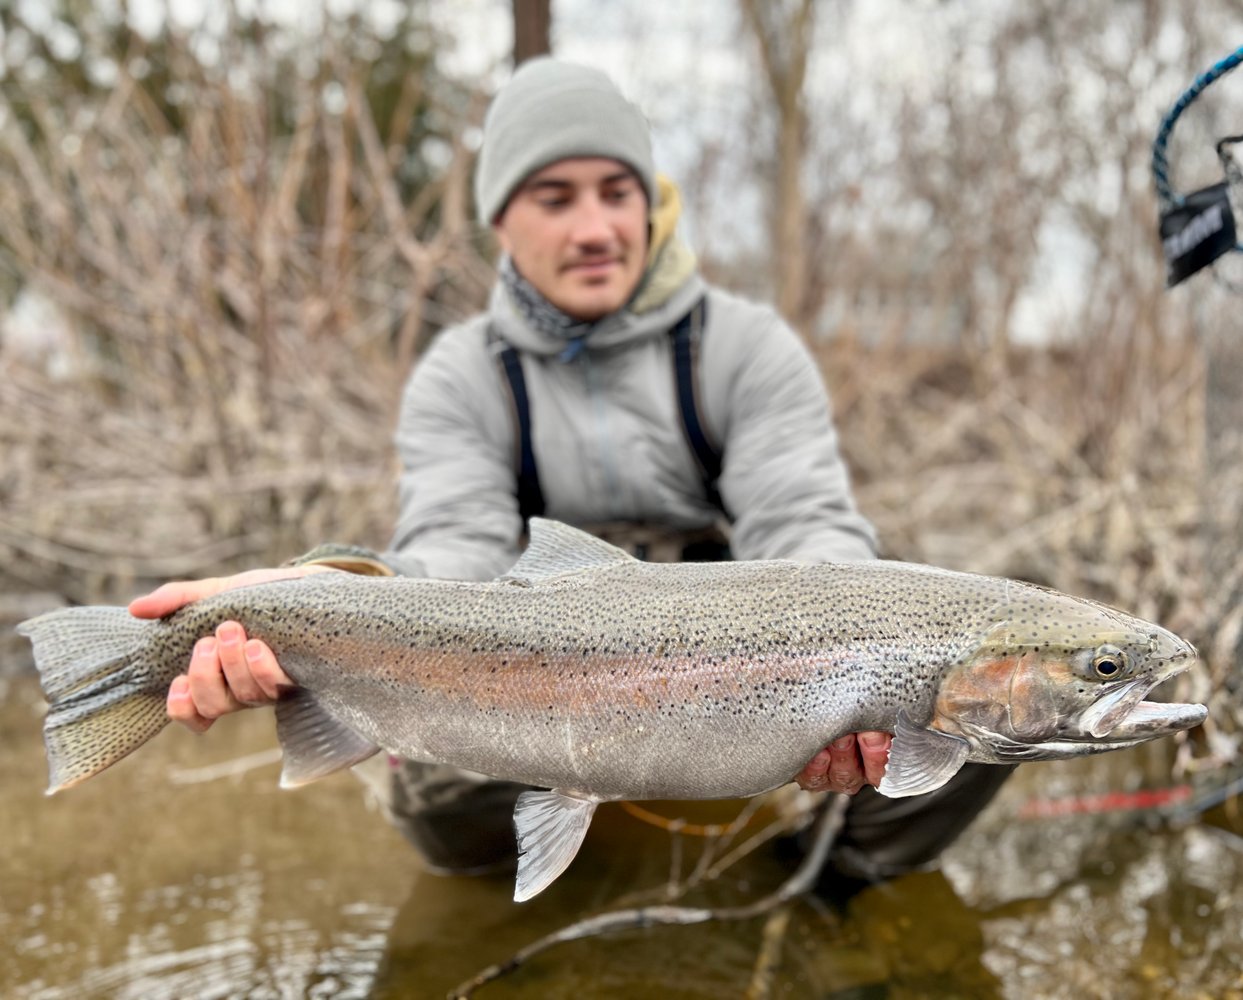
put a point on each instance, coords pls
(801, 880)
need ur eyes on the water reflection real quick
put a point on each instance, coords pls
(186, 873)
(1103, 905)
(132, 886)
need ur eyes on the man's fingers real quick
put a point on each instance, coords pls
(836, 768)
(211, 694)
(814, 777)
(168, 598)
(845, 772)
(230, 643)
(181, 706)
(874, 749)
(171, 596)
(847, 764)
(227, 671)
(267, 673)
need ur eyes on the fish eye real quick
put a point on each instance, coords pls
(1109, 662)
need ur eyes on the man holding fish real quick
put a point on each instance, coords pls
(607, 386)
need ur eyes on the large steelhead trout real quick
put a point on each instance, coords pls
(599, 677)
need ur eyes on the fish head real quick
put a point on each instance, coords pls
(1059, 676)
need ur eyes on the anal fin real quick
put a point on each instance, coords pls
(314, 743)
(920, 760)
(551, 827)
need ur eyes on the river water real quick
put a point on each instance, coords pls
(185, 872)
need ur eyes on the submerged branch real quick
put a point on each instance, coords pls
(802, 879)
(768, 961)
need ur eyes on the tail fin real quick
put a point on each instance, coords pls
(104, 701)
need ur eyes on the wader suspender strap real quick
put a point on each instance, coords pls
(530, 496)
(687, 335)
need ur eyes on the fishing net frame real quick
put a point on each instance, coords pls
(1173, 204)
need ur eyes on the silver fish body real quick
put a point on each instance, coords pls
(600, 677)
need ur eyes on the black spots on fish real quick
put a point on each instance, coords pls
(812, 635)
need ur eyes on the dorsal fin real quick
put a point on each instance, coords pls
(556, 549)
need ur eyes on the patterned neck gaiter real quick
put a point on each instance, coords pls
(542, 314)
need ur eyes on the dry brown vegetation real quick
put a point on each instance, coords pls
(242, 284)
(237, 305)
(1078, 468)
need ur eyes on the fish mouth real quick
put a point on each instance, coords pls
(1121, 715)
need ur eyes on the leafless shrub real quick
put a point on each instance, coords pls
(244, 277)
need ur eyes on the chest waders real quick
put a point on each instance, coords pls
(654, 543)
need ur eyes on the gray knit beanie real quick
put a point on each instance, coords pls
(549, 111)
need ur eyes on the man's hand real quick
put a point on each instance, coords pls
(227, 671)
(847, 764)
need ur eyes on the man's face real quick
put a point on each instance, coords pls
(577, 231)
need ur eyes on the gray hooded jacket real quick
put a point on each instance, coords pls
(608, 438)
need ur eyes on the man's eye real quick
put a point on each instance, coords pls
(618, 194)
(553, 202)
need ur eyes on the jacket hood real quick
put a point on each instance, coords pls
(669, 287)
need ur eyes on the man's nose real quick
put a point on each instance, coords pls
(591, 222)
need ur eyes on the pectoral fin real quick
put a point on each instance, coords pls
(314, 743)
(920, 760)
(551, 827)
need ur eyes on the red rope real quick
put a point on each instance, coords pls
(1105, 802)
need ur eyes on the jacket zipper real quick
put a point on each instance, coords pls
(600, 414)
